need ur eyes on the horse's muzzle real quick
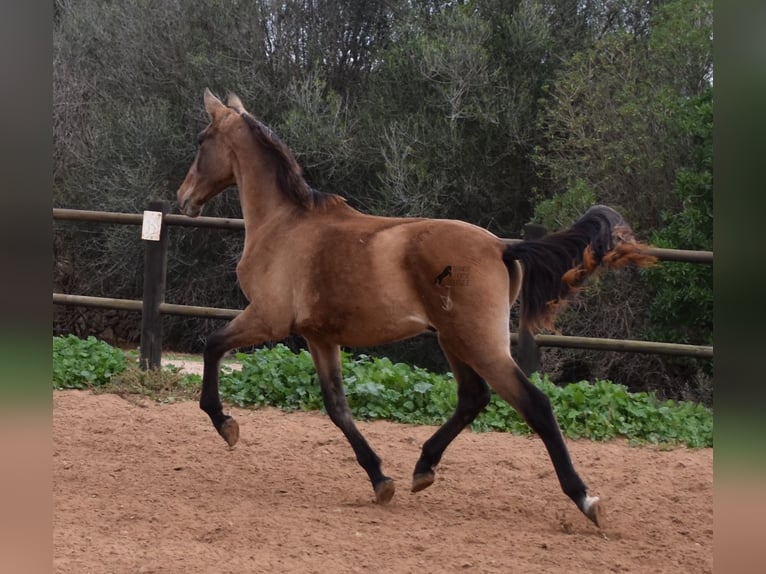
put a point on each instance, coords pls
(189, 208)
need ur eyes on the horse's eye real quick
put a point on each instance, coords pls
(200, 139)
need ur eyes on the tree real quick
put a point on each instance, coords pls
(481, 110)
(682, 307)
(629, 123)
(610, 120)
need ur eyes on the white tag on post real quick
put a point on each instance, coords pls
(152, 225)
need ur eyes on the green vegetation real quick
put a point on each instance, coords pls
(604, 410)
(95, 365)
(84, 363)
(682, 308)
(490, 111)
(377, 388)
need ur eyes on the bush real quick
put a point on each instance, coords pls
(275, 377)
(377, 388)
(560, 211)
(84, 363)
(682, 307)
(603, 410)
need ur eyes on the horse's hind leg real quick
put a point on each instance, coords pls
(473, 394)
(327, 362)
(242, 331)
(510, 383)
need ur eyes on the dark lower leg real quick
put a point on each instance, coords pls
(327, 362)
(210, 400)
(536, 409)
(337, 409)
(245, 329)
(472, 396)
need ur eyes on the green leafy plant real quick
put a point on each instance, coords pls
(377, 388)
(603, 410)
(84, 363)
(682, 307)
(275, 377)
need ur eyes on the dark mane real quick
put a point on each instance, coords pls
(290, 178)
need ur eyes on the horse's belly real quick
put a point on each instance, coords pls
(363, 324)
(362, 333)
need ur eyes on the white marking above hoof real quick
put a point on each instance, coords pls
(593, 509)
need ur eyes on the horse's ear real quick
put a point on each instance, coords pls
(234, 102)
(213, 105)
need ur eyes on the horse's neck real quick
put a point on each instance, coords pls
(260, 199)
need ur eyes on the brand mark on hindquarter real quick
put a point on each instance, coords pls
(441, 276)
(453, 275)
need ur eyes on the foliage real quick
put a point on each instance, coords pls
(560, 211)
(84, 363)
(377, 388)
(628, 119)
(450, 121)
(604, 410)
(613, 110)
(682, 309)
(273, 377)
(480, 110)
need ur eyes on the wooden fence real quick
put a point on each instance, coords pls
(153, 305)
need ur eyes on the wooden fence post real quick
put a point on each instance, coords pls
(155, 269)
(527, 351)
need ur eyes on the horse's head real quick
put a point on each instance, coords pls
(213, 168)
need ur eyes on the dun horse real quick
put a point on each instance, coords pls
(315, 267)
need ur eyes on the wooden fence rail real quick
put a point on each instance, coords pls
(153, 304)
(679, 255)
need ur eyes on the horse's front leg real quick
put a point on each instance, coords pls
(326, 359)
(246, 329)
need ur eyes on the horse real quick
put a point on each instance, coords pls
(315, 267)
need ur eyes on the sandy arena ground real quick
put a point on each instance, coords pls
(142, 487)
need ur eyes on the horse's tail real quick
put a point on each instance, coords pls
(556, 266)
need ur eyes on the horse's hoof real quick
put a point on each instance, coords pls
(229, 431)
(593, 508)
(422, 480)
(384, 491)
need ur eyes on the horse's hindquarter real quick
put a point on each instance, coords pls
(459, 272)
(371, 280)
